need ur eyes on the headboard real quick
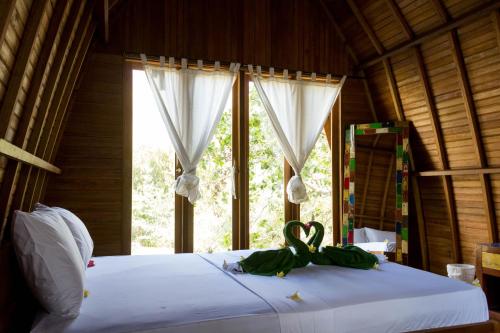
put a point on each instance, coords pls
(17, 305)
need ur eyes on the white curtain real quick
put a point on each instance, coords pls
(191, 102)
(298, 110)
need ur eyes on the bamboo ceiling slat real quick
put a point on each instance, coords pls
(46, 100)
(5, 17)
(366, 27)
(470, 16)
(47, 138)
(20, 68)
(27, 52)
(52, 142)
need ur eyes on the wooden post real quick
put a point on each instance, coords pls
(127, 159)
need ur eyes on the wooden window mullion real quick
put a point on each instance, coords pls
(241, 213)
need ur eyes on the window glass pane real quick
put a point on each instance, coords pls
(152, 175)
(317, 175)
(213, 211)
(265, 162)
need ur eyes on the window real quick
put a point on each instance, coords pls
(162, 224)
(212, 213)
(317, 175)
(152, 175)
(266, 181)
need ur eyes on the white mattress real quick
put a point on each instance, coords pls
(190, 293)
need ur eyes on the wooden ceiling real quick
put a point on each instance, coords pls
(437, 64)
(433, 62)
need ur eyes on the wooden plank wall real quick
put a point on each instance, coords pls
(447, 85)
(91, 152)
(293, 34)
(36, 40)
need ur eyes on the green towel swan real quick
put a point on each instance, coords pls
(273, 262)
(281, 262)
(346, 256)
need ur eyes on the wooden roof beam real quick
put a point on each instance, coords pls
(18, 154)
(5, 17)
(458, 172)
(398, 106)
(473, 122)
(431, 106)
(339, 31)
(366, 26)
(54, 116)
(441, 10)
(59, 120)
(13, 169)
(495, 18)
(393, 89)
(353, 55)
(396, 12)
(439, 142)
(46, 98)
(468, 17)
(103, 8)
(24, 53)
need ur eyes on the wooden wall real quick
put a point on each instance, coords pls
(447, 85)
(92, 154)
(293, 34)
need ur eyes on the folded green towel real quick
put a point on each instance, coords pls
(280, 262)
(349, 256)
(270, 262)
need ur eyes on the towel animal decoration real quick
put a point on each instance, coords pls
(280, 262)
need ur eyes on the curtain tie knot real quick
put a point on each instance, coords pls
(296, 190)
(187, 185)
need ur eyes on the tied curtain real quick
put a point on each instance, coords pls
(191, 102)
(298, 110)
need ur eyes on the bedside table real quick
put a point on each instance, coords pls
(488, 273)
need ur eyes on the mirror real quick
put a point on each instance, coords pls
(376, 177)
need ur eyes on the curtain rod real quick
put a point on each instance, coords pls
(243, 67)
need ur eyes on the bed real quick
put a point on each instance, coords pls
(375, 241)
(192, 293)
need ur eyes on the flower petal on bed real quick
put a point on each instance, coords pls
(295, 297)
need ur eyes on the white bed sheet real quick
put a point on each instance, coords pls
(180, 293)
(188, 293)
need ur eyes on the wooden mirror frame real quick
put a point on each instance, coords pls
(401, 130)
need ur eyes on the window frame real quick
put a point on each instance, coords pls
(184, 210)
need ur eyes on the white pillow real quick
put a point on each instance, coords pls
(374, 235)
(79, 231)
(360, 235)
(50, 260)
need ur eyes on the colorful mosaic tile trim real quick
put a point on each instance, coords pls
(401, 130)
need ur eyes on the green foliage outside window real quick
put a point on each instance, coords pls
(153, 189)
